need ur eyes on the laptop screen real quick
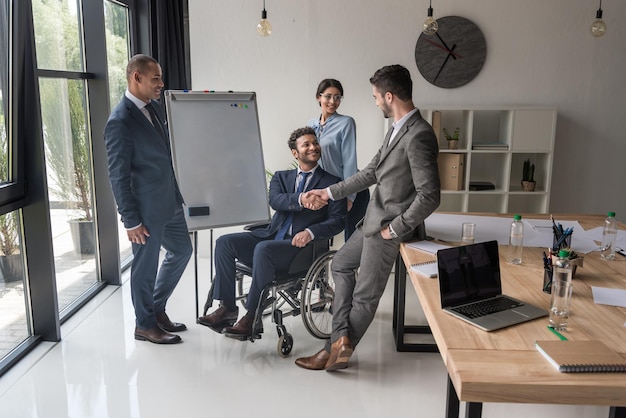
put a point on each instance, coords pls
(468, 273)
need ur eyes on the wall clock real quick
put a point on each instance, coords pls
(454, 55)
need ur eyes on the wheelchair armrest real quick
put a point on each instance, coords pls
(257, 225)
(308, 255)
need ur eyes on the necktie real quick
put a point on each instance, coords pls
(155, 120)
(285, 226)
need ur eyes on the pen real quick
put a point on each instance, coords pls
(558, 334)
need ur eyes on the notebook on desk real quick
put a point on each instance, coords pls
(470, 288)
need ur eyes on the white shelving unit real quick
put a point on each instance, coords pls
(528, 133)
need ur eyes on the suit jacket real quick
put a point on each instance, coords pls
(406, 176)
(140, 166)
(324, 223)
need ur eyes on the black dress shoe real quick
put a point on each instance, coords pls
(163, 321)
(219, 319)
(243, 327)
(156, 335)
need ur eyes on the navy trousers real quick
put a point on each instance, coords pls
(265, 255)
(150, 289)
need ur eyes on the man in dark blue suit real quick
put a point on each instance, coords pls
(148, 199)
(295, 224)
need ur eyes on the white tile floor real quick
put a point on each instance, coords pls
(99, 370)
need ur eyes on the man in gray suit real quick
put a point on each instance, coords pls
(148, 199)
(407, 191)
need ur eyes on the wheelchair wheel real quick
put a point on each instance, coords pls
(285, 345)
(318, 292)
(243, 287)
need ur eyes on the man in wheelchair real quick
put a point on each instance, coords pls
(299, 218)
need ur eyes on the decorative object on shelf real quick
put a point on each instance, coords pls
(453, 140)
(528, 176)
(430, 24)
(454, 56)
(598, 27)
(264, 27)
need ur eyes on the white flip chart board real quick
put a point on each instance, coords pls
(218, 157)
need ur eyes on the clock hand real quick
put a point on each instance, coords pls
(442, 41)
(444, 63)
(455, 56)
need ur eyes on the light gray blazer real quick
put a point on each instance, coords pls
(406, 177)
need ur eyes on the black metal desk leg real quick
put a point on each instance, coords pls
(617, 412)
(399, 307)
(473, 410)
(452, 401)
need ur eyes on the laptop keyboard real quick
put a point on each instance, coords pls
(487, 307)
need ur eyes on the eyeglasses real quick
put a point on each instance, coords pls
(336, 97)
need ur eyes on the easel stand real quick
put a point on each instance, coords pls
(195, 265)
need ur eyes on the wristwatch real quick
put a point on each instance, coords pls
(392, 232)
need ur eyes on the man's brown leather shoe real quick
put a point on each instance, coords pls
(244, 326)
(156, 335)
(219, 318)
(315, 362)
(340, 352)
(163, 321)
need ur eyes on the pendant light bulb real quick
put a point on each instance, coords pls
(264, 27)
(598, 27)
(430, 24)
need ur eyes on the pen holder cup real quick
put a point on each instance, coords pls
(547, 280)
(561, 242)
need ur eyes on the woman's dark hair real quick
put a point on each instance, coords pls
(326, 83)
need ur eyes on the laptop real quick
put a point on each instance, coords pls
(470, 288)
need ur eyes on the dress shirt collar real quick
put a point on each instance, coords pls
(311, 171)
(137, 101)
(400, 123)
(397, 125)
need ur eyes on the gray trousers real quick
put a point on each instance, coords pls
(357, 295)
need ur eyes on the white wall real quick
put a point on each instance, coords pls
(539, 53)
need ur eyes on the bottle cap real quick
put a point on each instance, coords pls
(611, 214)
(563, 253)
(517, 217)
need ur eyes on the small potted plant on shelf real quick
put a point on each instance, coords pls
(528, 176)
(453, 140)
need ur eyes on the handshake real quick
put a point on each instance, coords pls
(314, 199)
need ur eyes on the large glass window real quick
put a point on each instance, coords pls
(67, 141)
(14, 320)
(117, 23)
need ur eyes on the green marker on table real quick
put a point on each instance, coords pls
(558, 334)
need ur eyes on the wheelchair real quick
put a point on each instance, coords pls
(306, 288)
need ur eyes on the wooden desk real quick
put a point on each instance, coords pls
(504, 366)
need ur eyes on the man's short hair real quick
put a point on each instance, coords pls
(297, 134)
(395, 79)
(139, 63)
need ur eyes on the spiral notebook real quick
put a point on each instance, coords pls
(427, 268)
(582, 356)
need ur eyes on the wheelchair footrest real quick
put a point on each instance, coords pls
(241, 337)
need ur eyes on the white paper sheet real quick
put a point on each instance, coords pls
(606, 296)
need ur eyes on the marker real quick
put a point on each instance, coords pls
(558, 334)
